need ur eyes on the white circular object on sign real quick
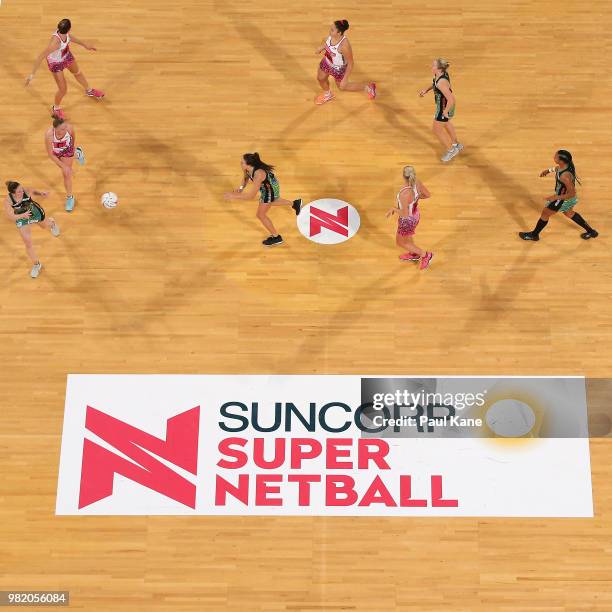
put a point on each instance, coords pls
(328, 221)
(109, 200)
(510, 418)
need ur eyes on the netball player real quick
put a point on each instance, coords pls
(564, 198)
(338, 62)
(60, 142)
(409, 215)
(445, 108)
(59, 57)
(24, 211)
(266, 184)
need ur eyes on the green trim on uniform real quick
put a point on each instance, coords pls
(440, 99)
(560, 190)
(27, 204)
(269, 190)
(38, 215)
(568, 204)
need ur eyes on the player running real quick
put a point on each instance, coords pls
(445, 109)
(59, 57)
(25, 212)
(264, 182)
(407, 208)
(563, 200)
(338, 63)
(60, 142)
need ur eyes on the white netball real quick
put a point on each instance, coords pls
(109, 200)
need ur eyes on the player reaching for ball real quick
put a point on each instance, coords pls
(24, 211)
(409, 215)
(338, 63)
(443, 129)
(265, 182)
(564, 198)
(59, 57)
(60, 141)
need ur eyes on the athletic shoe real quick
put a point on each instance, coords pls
(297, 206)
(448, 155)
(70, 203)
(58, 112)
(590, 234)
(55, 230)
(94, 93)
(35, 271)
(409, 257)
(80, 155)
(272, 241)
(324, 97)
(529, 236)
(372, 91)
(425, 260)
(458, 148)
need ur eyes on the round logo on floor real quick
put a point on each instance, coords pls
(328, 221)
(510, 418)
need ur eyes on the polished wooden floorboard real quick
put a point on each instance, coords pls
(175, 280)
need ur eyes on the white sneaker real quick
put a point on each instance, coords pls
(55, 230)
(458, 148)
(448, 155)
(35, 271)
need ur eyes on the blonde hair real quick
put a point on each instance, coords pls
(409, 174)
(442, 63)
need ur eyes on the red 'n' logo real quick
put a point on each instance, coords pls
(179, 448)
(337, 223)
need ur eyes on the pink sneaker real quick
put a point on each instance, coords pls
(409, 257)
(324, 97)
(94, 93)
(372, 91)
(58, 112)
(425, 261)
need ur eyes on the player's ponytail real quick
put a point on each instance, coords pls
(253, 159)
(566, 157)
(63, 27)
(443, 64)
(409, 174)
(11, 186)
(342, 25)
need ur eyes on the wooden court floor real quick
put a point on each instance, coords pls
(175, 281)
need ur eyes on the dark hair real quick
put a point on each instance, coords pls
(12, 186)
(57, 121)
(253, 159)
(63, 27)
(566, 157)
(342, 25)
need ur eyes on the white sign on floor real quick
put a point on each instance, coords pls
(311, 445)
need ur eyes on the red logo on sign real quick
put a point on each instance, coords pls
(337, 223)
(179, 448)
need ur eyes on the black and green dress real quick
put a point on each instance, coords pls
(269, 191)
(441, 99)
(560, 189)
(24, 205)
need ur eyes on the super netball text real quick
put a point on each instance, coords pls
(318, 471)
